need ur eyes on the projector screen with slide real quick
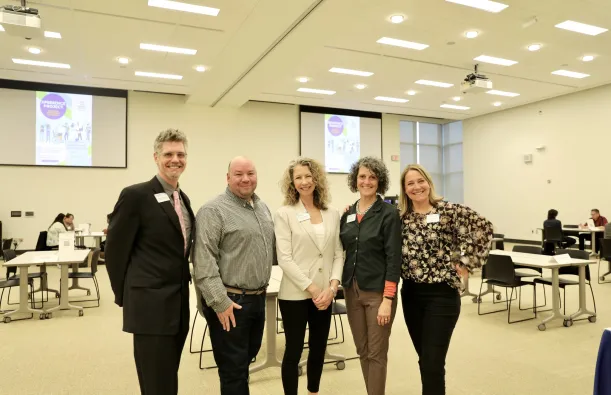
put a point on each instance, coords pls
(339, 138)
(65, 126)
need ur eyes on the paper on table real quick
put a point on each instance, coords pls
(562, 258)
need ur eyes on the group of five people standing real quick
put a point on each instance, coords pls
(234, 240)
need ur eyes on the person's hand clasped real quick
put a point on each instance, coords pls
(462, 271)
(384, 312)
(323, 301)
(227, 317)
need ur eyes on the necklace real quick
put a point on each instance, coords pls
(359, 212)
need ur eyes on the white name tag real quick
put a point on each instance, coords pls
(303, 217)
(563, 258)
(432, 218)
(162, 197)
(350, 218)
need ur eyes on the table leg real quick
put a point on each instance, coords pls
(64, 303)
(75, 284)
(593, 253)
(45, 283)
(556, 313)
(271, 359)
(465, 291)
(24, 307)
(583, 309)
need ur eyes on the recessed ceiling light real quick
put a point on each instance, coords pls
(571, 74)
(41, 64)
(434, 83)
(53, 35)
(402, 43)
(158, 75)
(317, 91)
(456, 98)
(178, 6)
(1, 28)
(497, 104)
(200, 68)
(486, 5)
(454, 107)
(303, 80)
(493, 60)
(588, 58)
(501, 93)
(397, 18)
(360, 86)
(123, 60)
(34, 50)
(350, 72)
(534, 47)
(391, 99)
(471, 34)
(411, 93)
(581, 28)
(163, 48)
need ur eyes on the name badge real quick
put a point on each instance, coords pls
(350, 218)
(303, 217)
(432, 218)
(162, 197)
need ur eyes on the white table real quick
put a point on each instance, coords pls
(36, 258)
(546, 262)
(579, 230)
(96, 236)
(466, 292)
(271, 359)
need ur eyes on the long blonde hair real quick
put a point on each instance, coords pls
(406, 205)
(321, 191)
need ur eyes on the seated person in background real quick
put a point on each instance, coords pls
(57, 227)
(69, 222)
(599, 222)
(552, 222)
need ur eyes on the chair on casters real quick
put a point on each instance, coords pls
(14, 282)
(530, 273)
(92, 258)
(499, 271)
(11, 274)
(573, 271)
(606, 254)
(552, 238)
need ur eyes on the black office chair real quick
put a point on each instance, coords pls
(570, 270)
(522, 274)
(6, 245)
(605, 253)
(11, 282)
(11, 274)
(92, 262)
(500, 245)
(552, 238)
(499, 271)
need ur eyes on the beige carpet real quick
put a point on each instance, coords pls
(90, 355)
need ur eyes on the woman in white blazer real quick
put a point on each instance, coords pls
(311, 257)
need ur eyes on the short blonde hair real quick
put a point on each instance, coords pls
(169, 136)
(321, 191)
(406, 205)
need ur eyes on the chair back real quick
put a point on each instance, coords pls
(94, 258)
(499, 268)
(500, 245)
(41, 243)
(6, 244)
(606, 249)
(527, 249)
(9, 255)
(575, 254)
(553, 234)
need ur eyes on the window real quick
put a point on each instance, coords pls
(439, 149)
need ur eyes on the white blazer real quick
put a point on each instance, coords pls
(300, 256)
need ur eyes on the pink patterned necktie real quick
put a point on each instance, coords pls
(178, 210)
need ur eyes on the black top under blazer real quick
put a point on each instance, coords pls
(373, 247)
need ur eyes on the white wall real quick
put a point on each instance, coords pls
(516, 196)
(267, 133)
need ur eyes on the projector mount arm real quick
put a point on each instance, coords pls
(22, 8)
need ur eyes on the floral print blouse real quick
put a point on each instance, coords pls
(431, 249)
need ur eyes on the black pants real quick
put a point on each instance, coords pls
(588, 236)
(296, 314)
(234, 350)
(157, 361)
(431, 312)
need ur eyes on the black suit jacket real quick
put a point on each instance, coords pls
(146, 262)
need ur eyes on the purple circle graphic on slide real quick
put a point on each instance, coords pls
(53, 106)
(335, 125)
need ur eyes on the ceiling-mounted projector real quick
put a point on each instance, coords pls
(475, 83)
(21, 21)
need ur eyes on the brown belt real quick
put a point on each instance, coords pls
(238, 291)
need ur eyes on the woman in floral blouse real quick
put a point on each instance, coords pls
(442, 242)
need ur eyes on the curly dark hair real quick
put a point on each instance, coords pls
(377, 167)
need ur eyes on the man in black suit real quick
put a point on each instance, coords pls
(147, 258)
